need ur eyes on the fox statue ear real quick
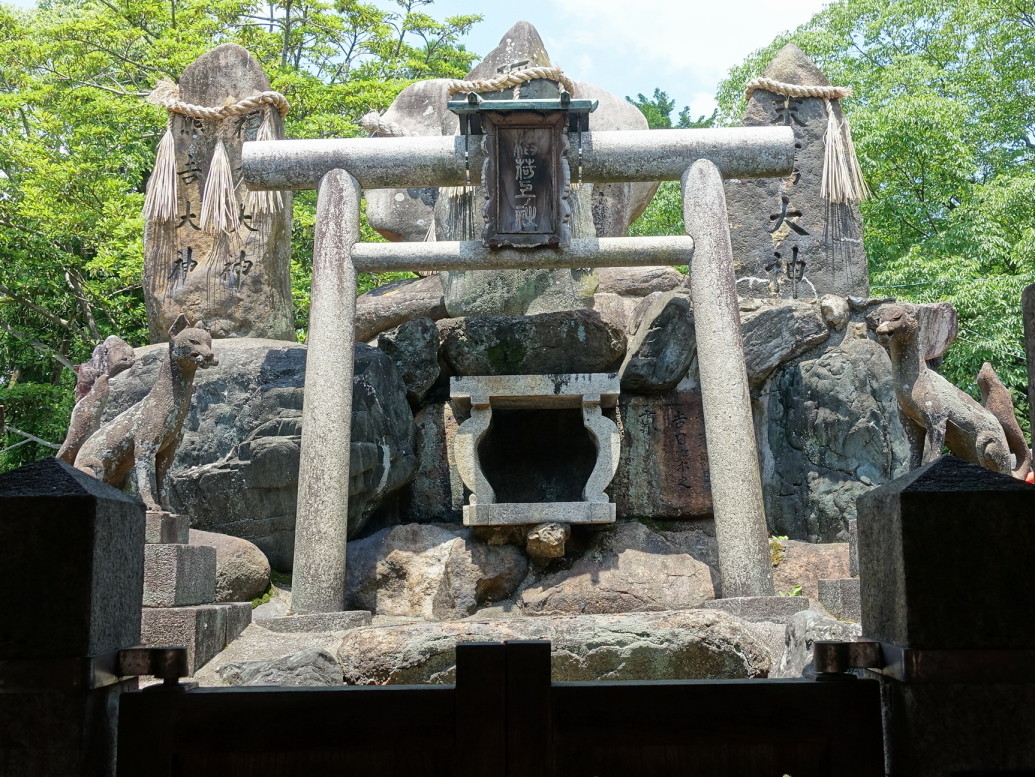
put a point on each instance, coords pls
(178, 325)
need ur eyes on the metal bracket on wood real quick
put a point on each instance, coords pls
(913, 665)
(166, 663)
(36, 675)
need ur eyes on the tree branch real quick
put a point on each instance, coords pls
(37, 345)
(52, 317)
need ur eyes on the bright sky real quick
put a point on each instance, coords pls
(685, 47)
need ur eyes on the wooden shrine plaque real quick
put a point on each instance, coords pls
(526, 179)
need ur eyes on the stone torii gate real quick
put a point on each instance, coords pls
(339, 169)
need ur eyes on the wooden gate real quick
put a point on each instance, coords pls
(505, 718)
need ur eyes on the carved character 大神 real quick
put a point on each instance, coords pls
(946, 414)
(996, 399)
(144, 437)
(109, 358)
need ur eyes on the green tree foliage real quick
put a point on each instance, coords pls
(77, 144)
(658, 112)
(944, 122)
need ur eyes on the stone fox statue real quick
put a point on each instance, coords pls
(996, 399)
(946, 414)
(144, 437)
(109, 358)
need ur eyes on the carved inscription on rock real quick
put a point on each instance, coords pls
(788, 241)
(237, 281)
(663, 469)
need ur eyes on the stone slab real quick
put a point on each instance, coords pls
(662, 442)
(517, 513)
(550, 391)
(841, 597)
(73, 563)
(166, 527)
(204, 630)
(777, 609)
(179, 575)
(945, 559)
(319, 622)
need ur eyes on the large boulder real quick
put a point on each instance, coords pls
(563, 342)
(236, 469)
(832, 431)
(777, 332)
(628, 568)
(242, 570)
(413, 347)
(687, 645)
(311, 667)
(429, 571)
(396, 303)
(662, 347)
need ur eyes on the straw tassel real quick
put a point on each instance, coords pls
(842, 177)
(160, 202)
(263, 202)
(219, 212)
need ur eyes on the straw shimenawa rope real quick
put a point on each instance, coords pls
(167, 94)
(513, 78)
(842, 180)
(219, 208)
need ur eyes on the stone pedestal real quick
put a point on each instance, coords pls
(178, 594)
(953, 618)
(72, 552)
(841, 598)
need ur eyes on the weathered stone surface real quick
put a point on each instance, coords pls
(203, 629)
(73, 554)
(842, 598)
(638, 281)
(408, 214)
(662, 443)
(804, 563)
(516, 292)
(257, 645)
(436, 493)
(319, 622)
(164, 527)
(396, 303)
(627, 569)
(832, 432)
(413, 347)
(242, 570)
(760, 609)
(911, 556)
(776, 333)
(804, 629)
(938, 327)
(662, 347)
(564, 342)
(546, 540)
(430, 571)
(178, 575)
(615, 309)
(239, 284)
(785, 235)
(615, 205)
(312, 667)
(236, 469)
(645, 646)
